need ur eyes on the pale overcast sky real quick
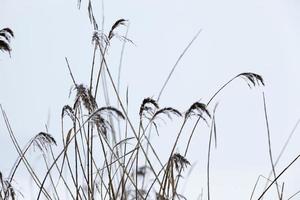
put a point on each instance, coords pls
(260, 36)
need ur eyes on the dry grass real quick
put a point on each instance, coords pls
(5, 36)
(104, 155)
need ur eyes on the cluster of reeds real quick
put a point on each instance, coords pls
(104, 154)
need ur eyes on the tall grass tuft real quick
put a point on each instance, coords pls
(105, 154)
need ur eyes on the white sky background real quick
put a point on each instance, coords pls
(260, 36)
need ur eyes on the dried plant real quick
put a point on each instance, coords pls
(5, 36)
(148, 106)
(91, 15)
(101, 123)
(142, 171)
(100, 39)
(199, 109)
(179, 161)
(105, 153)
(85, 96)
(252, 78)
(120, 22)
(44, 140)
(110, 110)
(167, 111)
(67, 110)
(7, 192)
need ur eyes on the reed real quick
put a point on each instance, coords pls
(104, 154)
